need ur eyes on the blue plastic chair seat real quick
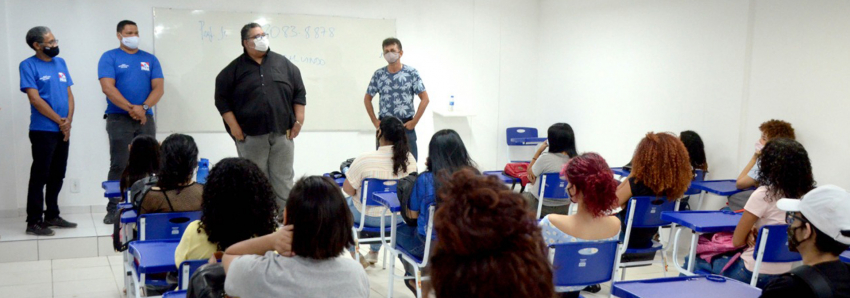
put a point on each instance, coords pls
(175, 294)
(408, 254)
(655, 247)
(371, 229)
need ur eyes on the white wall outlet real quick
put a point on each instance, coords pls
(75, 185)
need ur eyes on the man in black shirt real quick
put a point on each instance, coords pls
(818, 228)
(261, 98)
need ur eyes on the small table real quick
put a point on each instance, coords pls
(699, 222)
(619, 171)
(526, 141)
(845, 256)
(150, 257)
(501, 175)
(111, 189)
(688, 286)
(389, 200)
(339, 181)
(719, 187)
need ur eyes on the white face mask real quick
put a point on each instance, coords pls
(391, 57)
(261, 44)
(130, 42)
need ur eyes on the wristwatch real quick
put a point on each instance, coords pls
(146, 107)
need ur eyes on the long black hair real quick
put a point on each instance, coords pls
(238, 203)
(446, 155)
(143, 162)
(392, 131)
(562, 139)
(696, 149)
(179, 160)
(785, 168)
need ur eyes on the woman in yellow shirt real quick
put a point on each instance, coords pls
(238, 204)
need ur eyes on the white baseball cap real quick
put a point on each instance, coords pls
(827, 208)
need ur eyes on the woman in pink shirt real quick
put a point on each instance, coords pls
(785, 172)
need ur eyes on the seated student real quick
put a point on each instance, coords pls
(591, 185)
(143, 162)
(175, 191)
(318, 228)
(749, 175)
(696, 153)
(238, 204)
(820, 230)
(392, 161)
(562, 146)
(447, 154)
(660, 168)
(489, 244)
(786, 172)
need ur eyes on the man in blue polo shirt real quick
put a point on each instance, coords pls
(46, 81)
(133, 83)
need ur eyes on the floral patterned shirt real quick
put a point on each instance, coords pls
(397, 91)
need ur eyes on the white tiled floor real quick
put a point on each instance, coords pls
(90, 238)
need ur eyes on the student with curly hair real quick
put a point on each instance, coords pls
(591, 185)
(770, 130)
(660, 168)
(238, 204)
(175, 191)
(786, 172)
(489, 244)
(392, 160)
(302, 258)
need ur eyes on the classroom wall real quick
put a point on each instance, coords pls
(616, 70)
(456, 45)
(801, 73)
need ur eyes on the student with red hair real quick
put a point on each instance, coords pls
(592, 186)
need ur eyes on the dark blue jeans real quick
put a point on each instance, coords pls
(408, 237)
(735, 271)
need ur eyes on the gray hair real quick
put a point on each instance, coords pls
(36, 34)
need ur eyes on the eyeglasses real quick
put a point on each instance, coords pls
(258, 36)
(790, 217)
(53, 43)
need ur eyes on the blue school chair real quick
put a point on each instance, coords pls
(175, 294)
(644, 212)
(407, 257)
(772, 249)
(165, 226)
(552, 187)
(185, 271)
(367, 189)
(521, 137)
(582, 264)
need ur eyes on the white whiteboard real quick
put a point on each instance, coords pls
(337, 57)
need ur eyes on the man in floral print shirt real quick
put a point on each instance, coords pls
(397, 84)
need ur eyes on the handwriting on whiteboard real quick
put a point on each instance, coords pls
(211, 33)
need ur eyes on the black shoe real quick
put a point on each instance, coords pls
(109, 218)
(593, 288)
(39, 229)
(59, 223)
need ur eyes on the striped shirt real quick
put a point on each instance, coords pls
(378, 165)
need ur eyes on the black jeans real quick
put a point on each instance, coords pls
(49, 161)
(121, 130)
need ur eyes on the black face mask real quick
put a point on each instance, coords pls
(792, 238)
(51, 51)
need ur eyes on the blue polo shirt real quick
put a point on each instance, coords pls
(52, 80)
(132, 73)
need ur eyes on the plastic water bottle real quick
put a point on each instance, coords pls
(452, 104)
(203, 171)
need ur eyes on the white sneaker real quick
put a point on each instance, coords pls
(372, 257)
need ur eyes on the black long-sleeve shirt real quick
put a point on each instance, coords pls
(260, 95)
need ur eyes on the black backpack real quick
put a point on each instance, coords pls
(816, 280)
(138, 191)
(404, 188)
